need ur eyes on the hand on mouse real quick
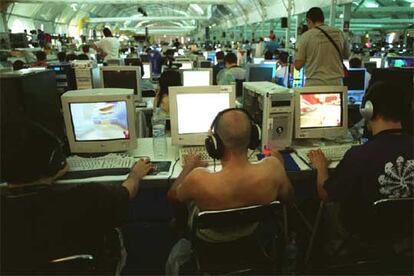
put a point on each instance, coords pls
(142, 168)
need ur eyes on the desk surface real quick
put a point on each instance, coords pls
(145, 149)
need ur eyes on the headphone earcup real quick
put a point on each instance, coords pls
(255, 137)
(214, 146)
(367, 111)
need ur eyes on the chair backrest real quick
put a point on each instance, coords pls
(394, 217)
(233, 217)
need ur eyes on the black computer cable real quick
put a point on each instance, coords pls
(172, 171)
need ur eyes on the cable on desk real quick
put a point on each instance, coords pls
(172, 171)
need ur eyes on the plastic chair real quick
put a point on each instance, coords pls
(243, 255)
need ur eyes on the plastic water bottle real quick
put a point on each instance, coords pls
(158, 135)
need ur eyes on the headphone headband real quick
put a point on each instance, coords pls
(215, 146)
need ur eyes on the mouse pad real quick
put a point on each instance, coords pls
(161, 167)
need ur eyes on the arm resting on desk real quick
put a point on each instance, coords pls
(140, 170)
(320, 163)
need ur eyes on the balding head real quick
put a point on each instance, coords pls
(234, 130)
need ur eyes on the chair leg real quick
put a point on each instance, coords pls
(314, 230)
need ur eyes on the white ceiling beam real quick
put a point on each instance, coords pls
(135, 2)
(145, 18)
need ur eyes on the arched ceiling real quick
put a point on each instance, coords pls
(192, 14)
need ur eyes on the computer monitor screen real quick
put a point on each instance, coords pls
(197, 78)
(401, 62)
(260, 74)
(147, 71)
(320, 112)
(205, 106)
(100, 120)
(122, 77)
(273, 62)
(377, 60)
(211, 56)
(370, 66)
(193, 109)
(186, 65)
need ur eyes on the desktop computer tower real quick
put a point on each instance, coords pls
(272, 107)
(31, 94)
(87, 74)
(65, 77)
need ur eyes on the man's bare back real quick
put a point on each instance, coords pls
(236, 185)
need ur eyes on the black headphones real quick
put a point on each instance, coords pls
(215, 146)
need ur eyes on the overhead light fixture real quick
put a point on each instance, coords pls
(371, 4)
(74, 7)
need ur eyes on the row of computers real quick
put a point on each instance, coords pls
(103, 120)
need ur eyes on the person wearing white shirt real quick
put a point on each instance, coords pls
(282, 71)
(108, 46)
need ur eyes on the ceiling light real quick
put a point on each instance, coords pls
(74, 6)
(372, 4)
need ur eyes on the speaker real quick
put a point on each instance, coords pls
(207, 32)
(284, 22)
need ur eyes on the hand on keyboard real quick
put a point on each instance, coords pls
(142, 168)
(194, 161)
(318, 159)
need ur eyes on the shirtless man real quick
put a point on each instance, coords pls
(239, 183)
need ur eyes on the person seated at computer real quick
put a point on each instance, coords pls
(268, 55)
(61, 57)
(217, 67)
(380, 169)
(86, 51)
(231, 72)
(42, 221)
(282, 71)
(239, 183)
(40, 59)
(71, 57)
(167, 79)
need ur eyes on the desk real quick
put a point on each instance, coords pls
(145, 149)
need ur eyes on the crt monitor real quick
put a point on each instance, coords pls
(260, 72)
(258, 60)
(147, 71)
(205, 64)
(132, 61)
(378, 60)
(356, 82)
(186, 64)
(122, 77)
(400, 62)
(192, 110)
(100, 120)
(321, 112)
(200, 77)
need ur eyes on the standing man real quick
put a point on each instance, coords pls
(322, 57)
(217, 67)
(108, 46)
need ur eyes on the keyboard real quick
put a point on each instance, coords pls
(111, 164)
(333, 153)
(202, 152)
